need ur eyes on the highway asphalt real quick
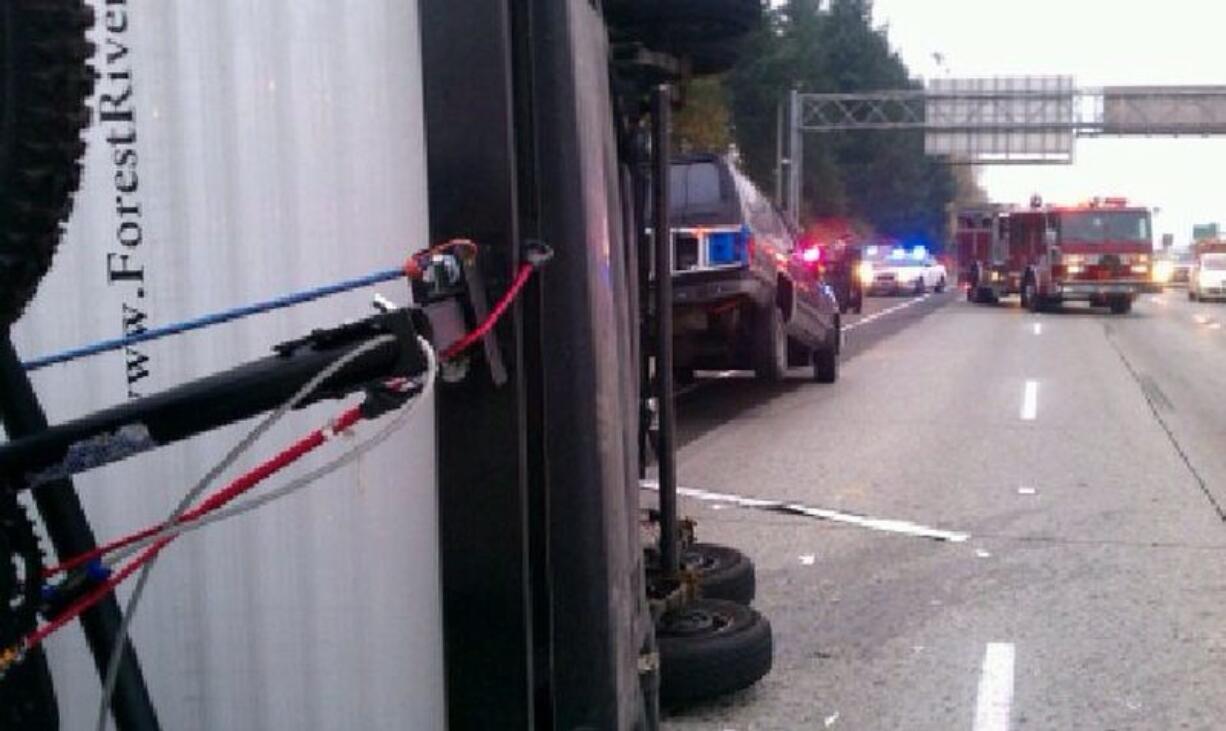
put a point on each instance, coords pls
(1081, 455)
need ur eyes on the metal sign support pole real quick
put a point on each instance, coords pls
(796, 157)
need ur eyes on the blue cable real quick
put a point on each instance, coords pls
(216, 318)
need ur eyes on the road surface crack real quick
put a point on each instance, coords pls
(1156, 406)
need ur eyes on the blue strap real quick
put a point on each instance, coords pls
(216, 318)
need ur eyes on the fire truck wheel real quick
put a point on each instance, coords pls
(709, 648)
(770, 351)
(44, 81)
(723, 572)
(1030, 297)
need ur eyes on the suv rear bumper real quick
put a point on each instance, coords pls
(698, 289)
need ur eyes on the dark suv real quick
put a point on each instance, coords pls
(743, 294)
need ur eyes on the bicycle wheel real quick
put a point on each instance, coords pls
(45, 80)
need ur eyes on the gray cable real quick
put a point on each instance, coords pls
(121, 636)
(298, 483)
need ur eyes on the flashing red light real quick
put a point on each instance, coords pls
(811, 255)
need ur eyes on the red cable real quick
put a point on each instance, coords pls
(247, 481)
(237, 487)
(94, 596)
(459, 346)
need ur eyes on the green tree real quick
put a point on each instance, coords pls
(704, 122)
(882, 177)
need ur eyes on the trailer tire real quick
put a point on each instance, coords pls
(45, 80)
(709, 648)
(686, 21)
(723, 572)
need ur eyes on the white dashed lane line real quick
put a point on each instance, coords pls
(887, 311)
(995, 697)
(1030, 401)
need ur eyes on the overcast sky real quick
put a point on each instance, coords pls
(1098, 42)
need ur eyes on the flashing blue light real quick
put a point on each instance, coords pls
(870, 251)
(919, 253)
(898, 254)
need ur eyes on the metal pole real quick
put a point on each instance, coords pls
(796, 158)
(71, 535)
(670, 560)
(779, 127)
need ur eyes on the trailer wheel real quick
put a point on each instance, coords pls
(723, 572)
(686, 21)
(770, 350)
(710, 648)
(1121, 306)
(45, 80)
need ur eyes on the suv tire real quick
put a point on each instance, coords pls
(770, 348)
(826, 357)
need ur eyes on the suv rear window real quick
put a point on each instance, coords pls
(700, 193)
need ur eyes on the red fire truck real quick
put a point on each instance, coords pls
(981, 245)
(1098, 252)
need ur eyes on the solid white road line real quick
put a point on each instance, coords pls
(1030, 401)
(886, 525)
(1038, 328)
(995, 688)
(887, 311)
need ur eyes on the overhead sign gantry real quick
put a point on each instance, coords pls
(1003, 120)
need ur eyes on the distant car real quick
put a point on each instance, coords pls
(841, 267)
(907, 273)
(1181, 270)
(744, 295)
(1207, 280)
